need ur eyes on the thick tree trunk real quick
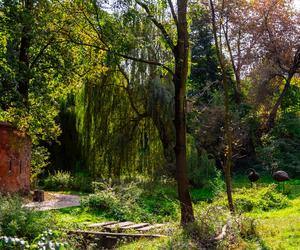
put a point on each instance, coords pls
(272, 117)
(24, 74)
(181, 53)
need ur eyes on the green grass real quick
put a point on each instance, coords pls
(76, 217)
(279, 229)
(275, 229)
(203, 194)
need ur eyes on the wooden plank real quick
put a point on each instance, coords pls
(136, 226)
(147, 228)
(102, 224)
(119, 235)
(119, 225)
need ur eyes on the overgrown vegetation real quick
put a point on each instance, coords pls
(137, 202)
(64, 180)
(148, 108)
(19, 221)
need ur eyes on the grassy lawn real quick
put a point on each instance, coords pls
(280, 229)
(275, 229)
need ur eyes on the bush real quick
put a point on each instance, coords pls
(63, 180)
(132, 202)
(202, 168)
(19, 221)
(60, 180)
(248, 199)
(119, 202)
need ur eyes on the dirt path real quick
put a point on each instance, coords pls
(57, 201)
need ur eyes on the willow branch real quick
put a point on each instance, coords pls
(165, 34)
(128, 91)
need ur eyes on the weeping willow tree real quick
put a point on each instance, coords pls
(123, 109)
(118, 126)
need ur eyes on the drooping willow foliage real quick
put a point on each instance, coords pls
(114, 139)
(123, 109)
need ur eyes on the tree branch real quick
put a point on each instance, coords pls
(124, 56)
(158, 25)
(173, 12)
(41, 52)
(128, 91)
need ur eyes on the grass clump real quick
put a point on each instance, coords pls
(249, 199)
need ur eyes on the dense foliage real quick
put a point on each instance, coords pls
(120, 96)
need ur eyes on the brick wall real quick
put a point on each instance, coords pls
(15, 155)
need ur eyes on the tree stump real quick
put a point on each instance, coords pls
(38, 196)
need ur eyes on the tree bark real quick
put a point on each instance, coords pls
(24, 74)
(181, 53)
(228, 135)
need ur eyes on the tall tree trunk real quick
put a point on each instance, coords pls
(228, 149)
(24, 74)
(181, 52)
(272, 116)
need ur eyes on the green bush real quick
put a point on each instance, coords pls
(60, 180)
(80, 182)
(63, 181)
(16, 220)
(133, 202)
(119, 202)
(202, 168)
(248, 199)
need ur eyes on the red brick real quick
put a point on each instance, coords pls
(15, 156)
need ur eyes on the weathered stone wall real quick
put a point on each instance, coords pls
(15, 156)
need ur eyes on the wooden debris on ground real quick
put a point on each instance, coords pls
(126, 225)
(109, 234)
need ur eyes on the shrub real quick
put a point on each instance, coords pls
(202, 168)
(248, 199)
(132, 202)
(16, 220)
(60, 180)
(217, 184)
(63, 180)
(81, 182)
(119, 202)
